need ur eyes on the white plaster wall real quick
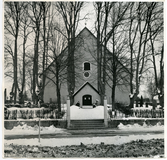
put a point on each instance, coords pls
(50, 92)
(86, 90)
(121, 94)
(85, 53)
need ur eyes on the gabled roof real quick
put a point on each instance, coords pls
(86, 83)
(80, 33)
(63, 51)
(85, 28)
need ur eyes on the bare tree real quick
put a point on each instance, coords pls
(47, 22)
(106, 32)
(117, 53)
(98, 6)
(70, 12)
(140, 20)
(13, 14)
(26, 31)
(151, 88)
(56, 72)
(36, 14)
(156, 36)
(101, 25)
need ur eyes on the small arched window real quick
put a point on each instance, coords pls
(86, 66)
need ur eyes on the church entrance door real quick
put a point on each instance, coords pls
(87, 99)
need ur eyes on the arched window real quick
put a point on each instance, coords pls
(86, 66)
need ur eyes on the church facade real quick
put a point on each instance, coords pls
(86, 85)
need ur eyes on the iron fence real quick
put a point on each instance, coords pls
(54, 114)
(32, 114)
(137, 114)
(148, 113)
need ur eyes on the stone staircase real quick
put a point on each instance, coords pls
(87, 124)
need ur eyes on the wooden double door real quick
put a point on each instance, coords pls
(87, 100)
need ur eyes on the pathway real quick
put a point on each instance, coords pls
(85, 140)
(77, 113)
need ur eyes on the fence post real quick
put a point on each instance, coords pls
(68, 112)
(5, 92)
(105, 112)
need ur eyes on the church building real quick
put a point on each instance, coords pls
(86, 85)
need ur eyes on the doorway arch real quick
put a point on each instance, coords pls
(87, 99)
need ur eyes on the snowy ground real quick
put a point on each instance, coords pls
(143, 107)
(80, 113)
(27, 130)
(85, 140)
(24, 129)
(144, 127)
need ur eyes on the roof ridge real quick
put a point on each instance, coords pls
(84, 86)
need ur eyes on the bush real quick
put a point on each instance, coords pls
(110, 113)
(45, 105)
(51, 116)
(34, 106)
(30, 114)
(61, 114)
(124, 108)
(53, 106)
(37, 113)
(23, 114)
(6, 114)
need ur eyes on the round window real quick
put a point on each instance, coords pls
(86, 74)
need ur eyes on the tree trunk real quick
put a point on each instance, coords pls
(99, 50)
(5, 93)
(35, 66)
(58, 85)
(161, 83)
(34, 73)
(132, 100)
(23, 83)
(44, 50)
(113, 66)
(71, 67)
(71, 19)
(113, 97)
(15, 68)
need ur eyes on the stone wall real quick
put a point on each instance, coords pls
(9, 124)
(113, 124)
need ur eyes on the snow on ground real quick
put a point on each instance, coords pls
(85, 140)
(28, 130)
(143, 107)
(80, 113)
(24, 129)
(144, 127)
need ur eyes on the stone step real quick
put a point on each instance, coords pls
(88, 121)
(87, 128)
(87, 124)
(87, 107)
